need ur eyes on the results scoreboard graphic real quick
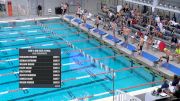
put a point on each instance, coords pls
(39, 68)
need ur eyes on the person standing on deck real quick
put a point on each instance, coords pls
(97, 21)
(174, 42)
(65, 7)
(114, 26)
(167, 56)
(177, 53)
(149, 41)
(78, 12)
(39, 10)
(84, 18)
(126, 33)
(140, 45)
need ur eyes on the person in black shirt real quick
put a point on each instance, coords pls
(125, 9)
(65, 7)
(39, 10)
(97, 21)
(175, 80)
(174, 41)
(174, 18)
(177, 92)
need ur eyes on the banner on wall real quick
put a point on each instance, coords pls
(9, 4)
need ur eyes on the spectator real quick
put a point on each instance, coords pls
(105, 9)
(129, 22)
(140, 45)
(61, 8)
(126, 8)
(162, 45)
(84, 18)
(149, 41)
(174, 17)
(165, 85)
(157, 18)
(78, 12)
(173, 32)
(126, 33)
(134, 21)
(139, 33)
(167, 56)
(157, 31)
(175, 80)
(174, 41)
(177, 53)
(65, 7)
(177, 92)
(148, 28)
(97, 21)
(160, 25)
(110, 15)
(39, 10)
(132, 13)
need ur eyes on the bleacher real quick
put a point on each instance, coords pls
(166, 36)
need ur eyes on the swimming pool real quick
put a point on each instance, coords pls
(85, 63)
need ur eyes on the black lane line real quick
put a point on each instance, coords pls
(32, 46)
(5, 68)
(71, 94)
(76, 69)
(66, 57)
(30, 43)
(109, 78)
(106, 88)
(24, 35)
(141, 75)
(20, 29)
(9, 82)
(103, 85)
(60, 89)
(18, 66)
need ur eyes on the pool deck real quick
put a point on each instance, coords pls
(131, 94)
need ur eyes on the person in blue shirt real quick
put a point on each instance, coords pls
(165, 85)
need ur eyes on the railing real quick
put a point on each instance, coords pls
(119, 95)
(122, 96)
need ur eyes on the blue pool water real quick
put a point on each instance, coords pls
(74, 64)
